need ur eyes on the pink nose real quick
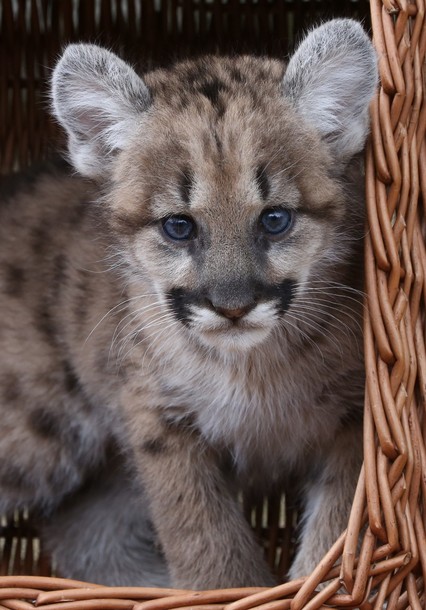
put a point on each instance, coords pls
(233, 314)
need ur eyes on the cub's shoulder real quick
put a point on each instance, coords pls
(45, 188)
(26, 181)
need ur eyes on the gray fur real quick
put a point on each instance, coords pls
(229, 361)
(105, 533)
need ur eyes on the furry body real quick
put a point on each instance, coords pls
(230, 358)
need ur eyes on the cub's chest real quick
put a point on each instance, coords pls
(258, 408)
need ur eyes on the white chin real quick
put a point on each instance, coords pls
(234, 339)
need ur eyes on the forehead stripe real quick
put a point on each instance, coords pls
(185, 185)
(263, 181)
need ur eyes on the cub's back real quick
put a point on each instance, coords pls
(39, 211)
(49, 431)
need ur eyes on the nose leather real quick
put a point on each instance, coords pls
(234, 314)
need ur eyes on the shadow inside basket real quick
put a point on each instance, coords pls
(20, 548)
(272, 519)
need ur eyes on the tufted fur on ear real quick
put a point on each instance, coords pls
(97, 98)
(331, 80)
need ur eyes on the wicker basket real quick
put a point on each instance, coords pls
(389, 507)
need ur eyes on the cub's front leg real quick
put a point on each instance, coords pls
(328, 500)
(206, 541)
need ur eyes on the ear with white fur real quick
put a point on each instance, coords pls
(331, 80)
(98, 99)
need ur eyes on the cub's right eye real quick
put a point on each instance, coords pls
(179, 228)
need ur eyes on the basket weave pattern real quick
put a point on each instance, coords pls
(389, 508)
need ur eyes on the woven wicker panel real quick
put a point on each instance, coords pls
(33, 32)
(389, 508)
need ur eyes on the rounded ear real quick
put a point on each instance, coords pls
(331, 80)
(97, 98)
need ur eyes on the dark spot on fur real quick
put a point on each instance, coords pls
(10, 388)
(237, 75)
(187, 422)
(218, 142)
(80, 315)
(59, 272)
(45, 325)
(154, 446)
(263, 182)
(44, 423)
(185, 185)
(179, 422)
(212, 90)
(82, 295)
(39, 240)
(284, 292)
(72, 383)
(227, 463)
(178, 298)
(14, 280)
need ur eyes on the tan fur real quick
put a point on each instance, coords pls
(115, 339)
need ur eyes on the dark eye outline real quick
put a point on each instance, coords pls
(168, 232)
(281, 231)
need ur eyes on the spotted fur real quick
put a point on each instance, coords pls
(189, 368)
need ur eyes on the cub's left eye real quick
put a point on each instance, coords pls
(275, 221)
(179, 228)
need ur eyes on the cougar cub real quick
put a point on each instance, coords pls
(181, 317)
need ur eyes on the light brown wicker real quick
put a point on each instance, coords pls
(389, 508)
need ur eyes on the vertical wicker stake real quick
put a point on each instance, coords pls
(394, 456)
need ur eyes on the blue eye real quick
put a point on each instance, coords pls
(275, 221)
(179, 228)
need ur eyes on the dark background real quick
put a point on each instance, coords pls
(146, 32)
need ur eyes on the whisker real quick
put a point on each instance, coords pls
(122, 304)
(329, 293)
(174, 333)
(161, 330)
(317, 328)
(340, 326)
(134, 315)
(337, 285)
(327, 306)
(143, 327)
(301, 332)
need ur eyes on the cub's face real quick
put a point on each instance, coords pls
(226, 213)
(224, 175)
